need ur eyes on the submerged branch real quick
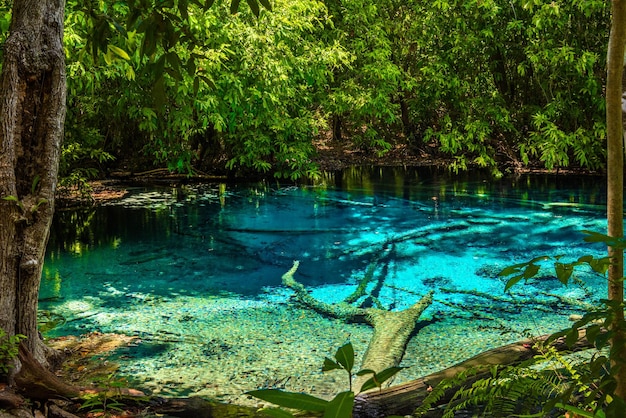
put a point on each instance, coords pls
(392, 330)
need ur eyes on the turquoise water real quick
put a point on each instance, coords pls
(194, 272)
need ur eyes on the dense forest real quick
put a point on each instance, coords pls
(480, 83)
(260, 88)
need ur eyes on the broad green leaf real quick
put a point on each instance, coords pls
(530, 271)
(345, 356)
(507, 271)
(600, 265)
(254, 6)
(379, 378)
(513, 281)
(540, 258)
(563, 272)
(365, 371)
(571, 337)
(119, 52)
(330, 365)
(592, 333)
(300, 401)
(610, 241)
(340, 406)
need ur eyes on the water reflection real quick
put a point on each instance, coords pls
(202, 263)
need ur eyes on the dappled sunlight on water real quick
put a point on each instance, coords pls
(195, 272)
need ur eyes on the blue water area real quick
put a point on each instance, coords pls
(194, 271)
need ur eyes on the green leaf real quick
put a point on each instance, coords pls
(266, 4)
(592, 333)
(571, 337)
(610, 241)
(340, 406)
(507, 271)
(234, 6)
(11, 198)
(33, 186)
(345, 356)
(563, 272)
(277, 413)
(119, 52)
(513, 281)
(600, 265)
(254, 6)
(530, 271)
(300, 401)
(379, 378)
(330, 365)
(365, 371)
(581, 412)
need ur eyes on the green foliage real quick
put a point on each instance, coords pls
(338, 407)
(109, 401)
(585, 387)
(8, 349)
(549, 382)
(503, 392)
(237, 91)
(498, 79)
(188, 85)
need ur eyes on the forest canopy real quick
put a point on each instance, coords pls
(484, 83)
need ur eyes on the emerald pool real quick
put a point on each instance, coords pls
(194, 272)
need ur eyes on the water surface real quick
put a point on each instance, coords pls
(195, 272)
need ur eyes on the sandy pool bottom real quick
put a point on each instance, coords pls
(223, 347)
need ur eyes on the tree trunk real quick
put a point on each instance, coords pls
(615, 188)
(32, 113)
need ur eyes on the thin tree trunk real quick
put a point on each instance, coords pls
(615, 187)
(32, 114)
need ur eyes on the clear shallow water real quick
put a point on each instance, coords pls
(195, 272)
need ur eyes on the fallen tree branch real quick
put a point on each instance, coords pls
(405, 398)
(392, 330)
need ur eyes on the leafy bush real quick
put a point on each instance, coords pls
(8, 350)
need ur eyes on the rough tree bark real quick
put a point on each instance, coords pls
(615, 187)
(392, 330)
(32, 113)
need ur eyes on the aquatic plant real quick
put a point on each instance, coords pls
(338, 407)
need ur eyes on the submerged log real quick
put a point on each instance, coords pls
(392, 330)
(405, 398)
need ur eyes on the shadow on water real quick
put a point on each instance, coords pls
(197, 276)
(242, 238)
